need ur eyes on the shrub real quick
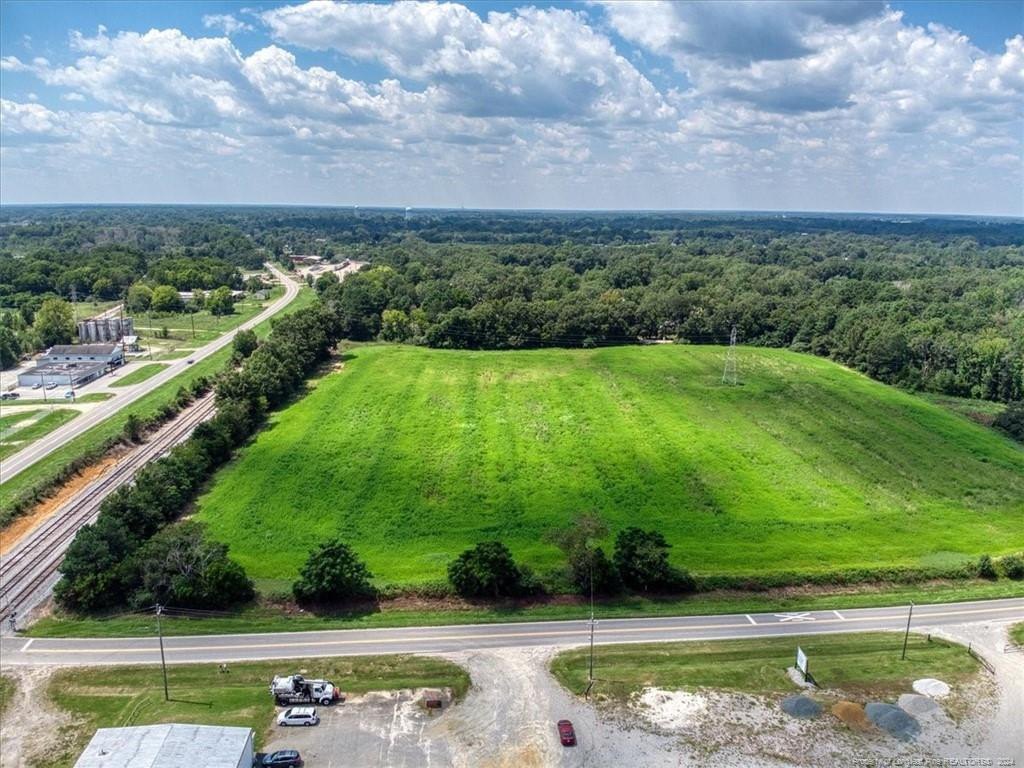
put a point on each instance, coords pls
(486, 570)
(986, 568)
(585, 561)
(642, 561)
(178, 566)
(331, 574)
(1013, 567)
(1011, 421)
(245, 343)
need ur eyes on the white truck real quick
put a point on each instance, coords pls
(295, 689)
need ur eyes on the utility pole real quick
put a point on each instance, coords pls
(590, 672)
(906, 635)
(163, 662)
(729, 374)
(192, 317)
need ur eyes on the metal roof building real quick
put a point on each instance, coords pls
(169, 746)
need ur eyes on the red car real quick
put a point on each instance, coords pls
(566, 734)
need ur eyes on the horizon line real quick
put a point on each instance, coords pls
(401, 208)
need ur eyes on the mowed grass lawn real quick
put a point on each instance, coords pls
(16, 437)
(138, 375)
(866, 665)
(412, 455)
(120, 696)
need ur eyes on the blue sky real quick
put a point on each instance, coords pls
(855, 105)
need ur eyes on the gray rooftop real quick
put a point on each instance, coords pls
(166, 746)
(81, 349)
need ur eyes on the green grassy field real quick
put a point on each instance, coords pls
(414, 454)
(109, 697)
(139, 374)
(16, 439)
(90, 440)
(191, 331)
(864, 665)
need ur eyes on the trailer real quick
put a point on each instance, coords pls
(295, 689)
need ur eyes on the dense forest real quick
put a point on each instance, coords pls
(935, 303)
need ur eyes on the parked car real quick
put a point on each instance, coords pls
(566, 733)
(283, 758)
(52, 385)
(9, 396)
(298, 716)
(37, 385)
(69, 395)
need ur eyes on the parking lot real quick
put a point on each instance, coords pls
(392, 728)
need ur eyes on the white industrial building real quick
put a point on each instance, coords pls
(72, 364)
(169, 746)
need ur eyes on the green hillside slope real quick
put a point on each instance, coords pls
(413, 454)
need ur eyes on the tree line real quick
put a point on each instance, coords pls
(946, 318)
(132, 556)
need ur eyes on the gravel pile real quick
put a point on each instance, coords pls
(893, 720)
(917, 705)
(929, 686)
(801, 706)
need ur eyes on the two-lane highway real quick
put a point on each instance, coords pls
(445, 639)
(44, 446)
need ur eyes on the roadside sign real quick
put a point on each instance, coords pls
(801, 661)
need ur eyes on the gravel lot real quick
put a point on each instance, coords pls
(379, 729)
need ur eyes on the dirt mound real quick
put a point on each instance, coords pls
(929, 686)
(893, 720)
(801, 706)
(852, 714)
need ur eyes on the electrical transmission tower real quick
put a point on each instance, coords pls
(729, 374)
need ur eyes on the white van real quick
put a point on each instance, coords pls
(298, 716)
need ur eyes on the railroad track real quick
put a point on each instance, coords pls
(26, 569)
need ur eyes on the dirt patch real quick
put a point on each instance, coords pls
(34, 730)
(42, 511)
(670, 708)
(852, 714)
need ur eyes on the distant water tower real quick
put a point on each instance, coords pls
(407, 210)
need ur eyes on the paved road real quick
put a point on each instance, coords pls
(218, 648)
(46, 445)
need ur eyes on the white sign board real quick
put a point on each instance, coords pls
(801, 660)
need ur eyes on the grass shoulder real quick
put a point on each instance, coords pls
(7, 689)
(92, 397)
(272, 617)
(1017, 634)
(138, 375)
(103, 697)
(863, 665)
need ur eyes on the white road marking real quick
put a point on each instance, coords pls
(794, 617)
(26, 645)
(839, 615)
(750, 619)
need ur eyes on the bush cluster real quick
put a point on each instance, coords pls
(117, 560)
